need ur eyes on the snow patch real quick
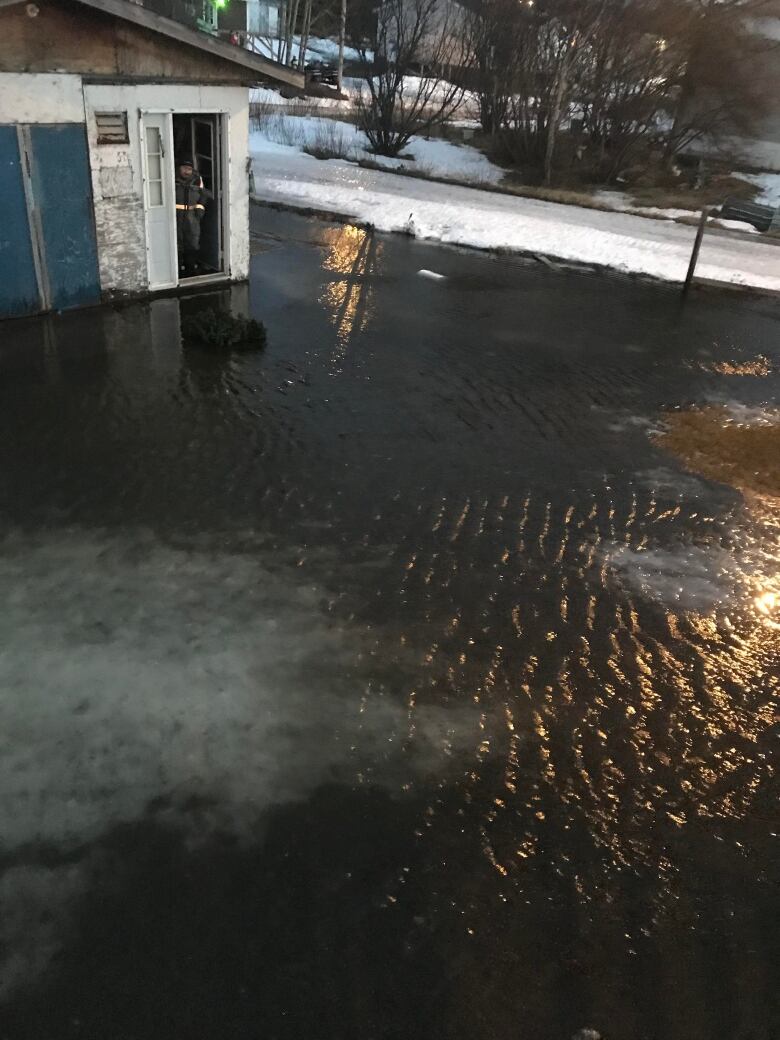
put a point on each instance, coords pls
(768, 184)
(434, 157)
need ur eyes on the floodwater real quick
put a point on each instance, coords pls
(391, 683)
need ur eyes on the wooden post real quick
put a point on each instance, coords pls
(305, 36)
(696, 247)
(342, 34)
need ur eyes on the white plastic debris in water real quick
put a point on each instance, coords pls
(425, 273)
(587, 1034)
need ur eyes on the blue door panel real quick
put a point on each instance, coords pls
(18, 282)
(63, 195)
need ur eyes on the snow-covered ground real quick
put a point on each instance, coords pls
(769, 185)
(489, 220)
(432, 158)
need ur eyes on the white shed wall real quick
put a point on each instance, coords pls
(117, 180)
(27, 97)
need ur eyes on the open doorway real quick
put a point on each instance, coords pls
(200, 223)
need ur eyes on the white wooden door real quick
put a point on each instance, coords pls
(159, 200)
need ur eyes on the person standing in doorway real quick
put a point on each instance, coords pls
(191, 197)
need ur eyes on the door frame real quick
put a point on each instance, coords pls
(223, 132)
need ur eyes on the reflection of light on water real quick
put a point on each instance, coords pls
(353, 257)
(758, 366)
(730, 443)
(648, 711)
(768, 604)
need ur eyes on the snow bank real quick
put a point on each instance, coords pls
(433, 158)
(489, 220)
(734, 225)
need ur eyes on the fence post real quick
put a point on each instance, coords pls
(696, 247)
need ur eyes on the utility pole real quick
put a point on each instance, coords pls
(342, 34)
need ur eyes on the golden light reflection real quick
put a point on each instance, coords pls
(709, 441)
(599, 719)
(758, 366)
(768, 605)
(353, 258)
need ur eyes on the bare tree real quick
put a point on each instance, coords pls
(628, 75)
(425, 37)
(617, 81)
(543, 83)
(493, 29)
(718, 93)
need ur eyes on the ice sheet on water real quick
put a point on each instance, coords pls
(684, 577)
(132, 669)
(626, 423)
(745, 414)
(132, 672)
(674, 483)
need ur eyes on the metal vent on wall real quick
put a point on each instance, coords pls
(112, 127)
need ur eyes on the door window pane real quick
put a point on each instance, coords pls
(203, 138)
(206, 172)
(154, 170)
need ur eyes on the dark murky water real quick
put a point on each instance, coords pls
(389, 684)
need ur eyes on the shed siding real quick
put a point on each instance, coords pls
(117, 188)
(92, 43)
(49, 98)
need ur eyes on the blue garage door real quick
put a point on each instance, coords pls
(47, 216)
(18, 283)
(63, 195)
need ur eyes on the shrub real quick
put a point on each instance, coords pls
(217, 330)
(329, 142)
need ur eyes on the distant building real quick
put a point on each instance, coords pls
(99, 101)
(251, 17)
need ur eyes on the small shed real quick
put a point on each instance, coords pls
(99, 99)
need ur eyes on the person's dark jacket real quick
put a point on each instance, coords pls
(191, 199)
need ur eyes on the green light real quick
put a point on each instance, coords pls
(220, 3)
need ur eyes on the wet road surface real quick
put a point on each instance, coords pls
(391, 683)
